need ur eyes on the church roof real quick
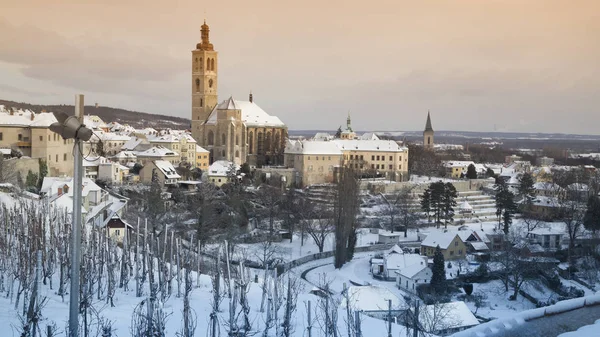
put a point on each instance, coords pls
(428, 124)
(252, 114)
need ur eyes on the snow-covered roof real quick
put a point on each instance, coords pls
(578, 187)
(133, 142)
(447, 316)
(543, 201)
(412, 270)
(478, 245)
(312, 147)
(167, 169)
(322, 136)
(94, 161)
(50, 186)
(94, 122)
(157, 151)
(171, 138)
(400, 261)
(547, 231)
(545, 186)
(200, 149)
(26, 118)
(125, 155)
(251, 114)
(465, 206)
(441, 239)
(369, 136)
(372, 298)
(221, 168)
(110, 136)
(369, 145)
(395, 250)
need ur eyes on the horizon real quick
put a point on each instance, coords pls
(477, 66)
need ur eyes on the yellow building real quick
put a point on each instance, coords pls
(28, 133)
(166, 173)
(315, 161)
(202, 158)
(236, 131)
(219, 172)
(450, 243)
(181, 143)
(117, 229)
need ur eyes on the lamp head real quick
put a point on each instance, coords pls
(70, 127)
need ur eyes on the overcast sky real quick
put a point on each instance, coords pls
(513, 65)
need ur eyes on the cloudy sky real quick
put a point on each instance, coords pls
(513, 65)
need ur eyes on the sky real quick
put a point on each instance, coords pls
(477, 65)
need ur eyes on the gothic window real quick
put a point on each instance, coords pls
(201, 63)
(250, 142)
(268, 141)
(211, 138)
(198, 86)
(207, 64)
(237, 140)
(259, 144)
(223, 139)
(196, 64)
(201, 102)
(212, 64)
(428, 140)
(237, 154)
(223, 153)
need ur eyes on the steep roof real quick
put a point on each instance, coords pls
(167, 169)
(372, 298)
(157, 151)
(441, 239)
(428, 124)
(251, 114)
(456, 315)
(412, 270)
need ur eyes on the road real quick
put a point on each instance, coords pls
(552, 326)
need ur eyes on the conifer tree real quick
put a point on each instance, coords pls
(471, 172)
(426, 203)
(591, 219)
(438, 275)
(525, 190)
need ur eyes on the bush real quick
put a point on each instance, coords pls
(468, 287)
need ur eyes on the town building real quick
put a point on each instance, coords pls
(165, 171)
(544, 161)
(158, 153)
(450, 243)
(181, 143)
(29, 133)
(202, 160)
(410, 277)
(236, 131)
(219, 172)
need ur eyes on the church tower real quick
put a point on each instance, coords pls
(428, 134)
(204, 82)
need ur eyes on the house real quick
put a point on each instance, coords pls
(167, 175)
(219, 173)
(118, 229)
(374, 301)
(98, 206)
(389, 237)
(547, 238)
(410, 277)
(450, 243)
(444, 319)
(547, 189)
(202, 158)
(158, 153)
(394, 262)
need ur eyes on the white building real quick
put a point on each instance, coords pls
(446, 318)
(410, 277)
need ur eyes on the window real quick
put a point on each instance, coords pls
(328, 158)
(455, 243)
(41, 138)
(219, 180)
(117, 231)
(451, 252)
(308, 157)
(372, 157)
(1, 136)
(391, 167)
(317, 157)
(460, 252)
(372, 166)
(48, 137)
(57, 158)
(391, 158)
(377, 157)
(64, 157)
(20, 137)
(351, 157)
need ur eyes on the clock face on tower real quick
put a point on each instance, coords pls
(210, 83)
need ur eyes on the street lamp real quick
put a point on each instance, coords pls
(71, 127)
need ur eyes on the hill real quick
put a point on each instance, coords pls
(134, 118)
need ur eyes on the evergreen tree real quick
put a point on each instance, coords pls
(155, 205)
(426, 203)
(525, 190)
(505, 204)
(31, 181)
(338, 133)
(43, 168)
(438, 272)
(448, 203)
(490, 173)
(591, 219)
(437, 196)
(471, 172)
(137, 167)
(100, 148)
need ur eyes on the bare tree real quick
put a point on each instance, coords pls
(319, 224)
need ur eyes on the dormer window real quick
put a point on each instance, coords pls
(66, 189)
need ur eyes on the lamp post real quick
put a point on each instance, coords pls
(71, 127)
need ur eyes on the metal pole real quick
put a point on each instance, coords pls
(309, 320)
(76, 227)
(389, 318)
(416, 320)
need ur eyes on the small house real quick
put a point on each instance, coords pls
(450, 243)
(412, 276)
(444, 319)
(386, 237)
(374, 301)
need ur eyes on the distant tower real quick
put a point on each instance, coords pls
(204, 81)
(348, 123)
(428, 134)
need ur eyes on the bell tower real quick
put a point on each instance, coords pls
(428, 134)
(204, 81)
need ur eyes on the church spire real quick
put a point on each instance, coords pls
(428, 124)
(348, 123)
(204, 34)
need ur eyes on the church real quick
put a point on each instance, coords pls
(233, 130)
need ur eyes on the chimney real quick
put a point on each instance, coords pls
(12, 112)
(60, 191)
(32, 115)
(250, 97)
